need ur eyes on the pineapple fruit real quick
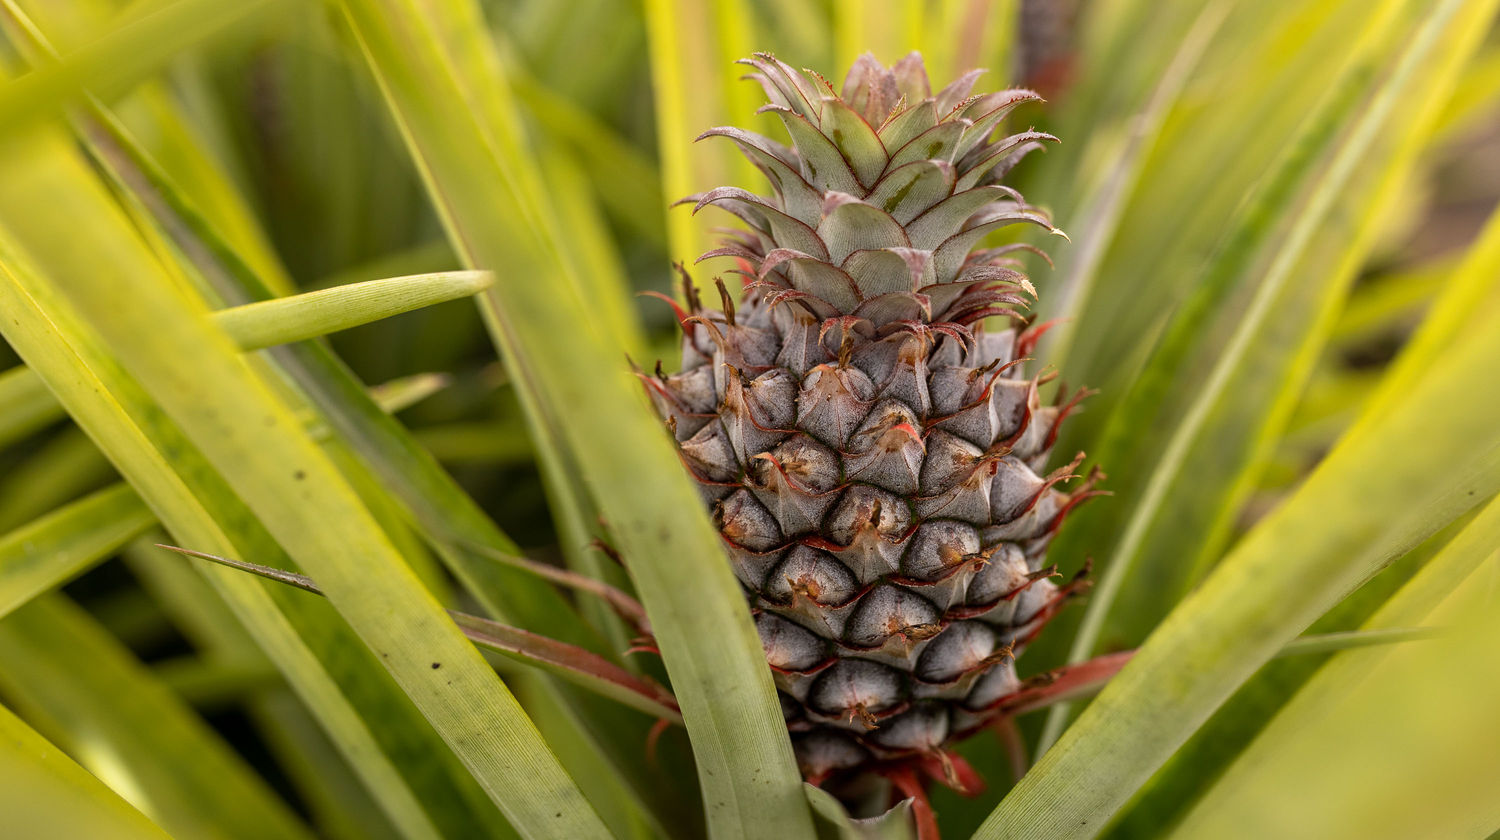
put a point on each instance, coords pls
(874, 457)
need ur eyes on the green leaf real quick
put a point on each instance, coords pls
(213, 682)
(1101, 208)
(692, 46)
(1475, 99)
(134, 47)
(962, 35)
(1122, 776)
(1358, 510)
(300, 317)
(567, 661)
(1388, 302)
(466, 136)
(181, 147)
(624, 176)
(889, 30)
(402, 393)
(255, 326)
(339, 805)
(400, 744)
(169, 344)
(1199, 762)
(29, 406)
(1470, 297)
(834, 823)
(1331, 642)
(47, 795)
(1084, 678)
(447, 517)
(1253, 89)
(77, 684)
(63, 467)
(1424, 775)
(1209, 455)
(389, 792)
(52, 550)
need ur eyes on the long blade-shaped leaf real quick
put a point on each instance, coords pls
(189, 201)
(1426, 774)
(413, 481)
(468, 142)
(62, 468)
(170, 344)
(53, 549)
(255, 326)
(692, 44)
(1470, 296)
(889, 30)
(1194, 767)
(311, 742)
(300, 317)
(28, 405)
(1245, 394)
(1100, 211)
(46, 795)
(193, 503)
(132, 49)
(567, 661)
(1355, 513)
(836, 824)
(79, 685)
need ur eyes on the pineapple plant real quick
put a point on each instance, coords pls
(871, 446)
(842, 543)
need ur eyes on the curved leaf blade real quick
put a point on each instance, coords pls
(169, 342)
(52, 550)
(68, 675)
(1245, 396)
(1426, 774)
(47, 795)
(466, 135)
(1355, 513)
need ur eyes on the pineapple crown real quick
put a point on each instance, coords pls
(881, 199)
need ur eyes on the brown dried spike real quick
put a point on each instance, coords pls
(689, 289)
(727, 301)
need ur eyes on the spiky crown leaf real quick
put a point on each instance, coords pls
(883, 196)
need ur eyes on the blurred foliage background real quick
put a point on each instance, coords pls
(1266, 201)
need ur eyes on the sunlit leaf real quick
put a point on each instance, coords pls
(234, 382)
(711, 651)
(82, 688)
(47, 795)
(1422, 776)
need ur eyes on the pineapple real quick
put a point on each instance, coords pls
(873, 456)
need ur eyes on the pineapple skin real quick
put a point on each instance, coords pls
(874, 458)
